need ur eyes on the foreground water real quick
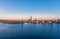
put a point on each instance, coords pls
(29, 31)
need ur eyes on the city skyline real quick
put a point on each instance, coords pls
(29, 17)
(30, 20)
(13, 9)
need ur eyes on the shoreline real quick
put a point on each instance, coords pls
(30, 21)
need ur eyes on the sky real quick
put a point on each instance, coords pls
(16, 9)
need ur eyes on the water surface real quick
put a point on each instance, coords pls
(30, 31)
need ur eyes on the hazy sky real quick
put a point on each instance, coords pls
(17, 8)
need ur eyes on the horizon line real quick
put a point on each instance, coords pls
(20, 18)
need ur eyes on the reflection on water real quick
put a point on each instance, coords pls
(30, 30)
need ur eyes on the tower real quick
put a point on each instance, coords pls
(30, 17)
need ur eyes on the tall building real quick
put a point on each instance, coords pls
(30, 17)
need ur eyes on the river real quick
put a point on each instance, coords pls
(29, 31)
